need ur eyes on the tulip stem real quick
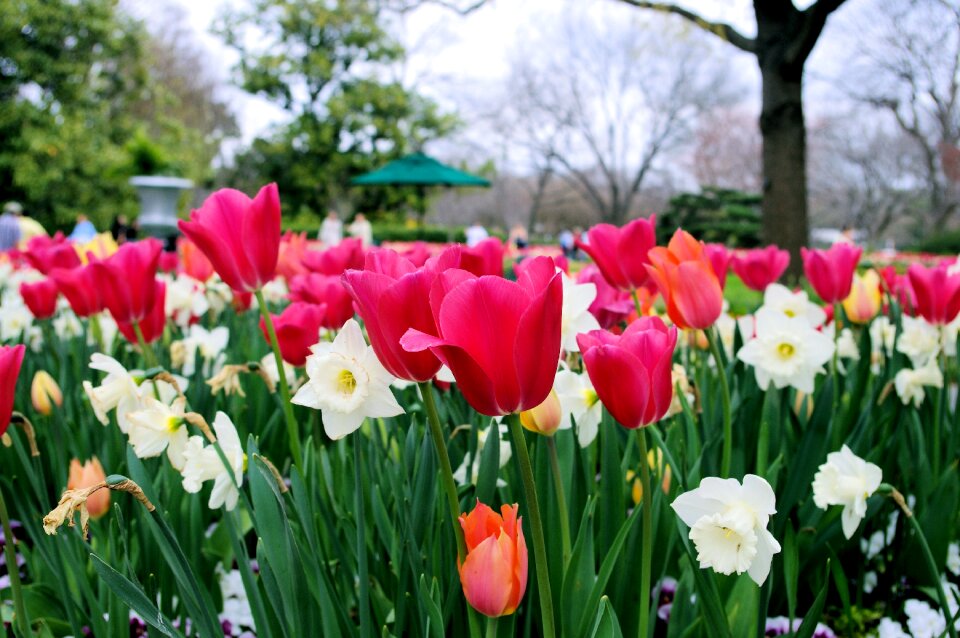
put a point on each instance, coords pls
(363, 598)
(97, 333)
(449, 486)
(148, 355)
(492, 627)
(838, 437)
(293, 429)
(636, 302)
(21, 619)
(713, 337)
(646, 547)
(561, 500)
(536, 524)
(927, 554)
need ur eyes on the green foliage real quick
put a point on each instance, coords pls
(715, 215)
(941, 243)
(324, 64)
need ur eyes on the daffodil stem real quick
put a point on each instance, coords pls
(646, 547)
(21, 619)
(293, 428)
(561, 500)
(363, 597)
(449, 486)
(713, 337)
(927, 555)
(636, 302)
(536, 524)
(148, 355)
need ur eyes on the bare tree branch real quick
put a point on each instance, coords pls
(814, 19)
(720, 29)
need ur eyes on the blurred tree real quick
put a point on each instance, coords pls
(715, 215)
(325, 64)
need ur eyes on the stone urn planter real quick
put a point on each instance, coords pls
(158, 203)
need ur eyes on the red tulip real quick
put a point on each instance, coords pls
(241, 300)
(830, 272)
(621, 253)
(10, 359)
(719, 258)
(611, 305)
(494, 573)
(501, 339)
(336, 259)
(687, 281)
(937, 291)
(126, 279)
(293, 246)
(632, 372)
(46, 253)
(153, 323)
(298, 328)
(40, 297)
(169, 262)
(760, 267)
(314, 288)
(79, 286)
(391, 296)
(194, 262)
(240, 236)
(486, 258)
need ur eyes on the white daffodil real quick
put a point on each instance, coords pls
(575, 317)
(786, 351)
(578, 401)
(15, 319)
(347, 383)
(274, 292)
(209, 344)
(108, 330)
(919, 340)
(728, 524)
(793, 304)
(269, 365)
(202, 463)
(219, 295)
(728, 326)
(185, 300)
(681, 385)
(119, 390)
(460, 475)
(883, 334)
(889, 628)
(909, 383)
(159, 427)
(66, 325)
(846, 479)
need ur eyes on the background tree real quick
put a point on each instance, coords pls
(328, 65)
(785, 37)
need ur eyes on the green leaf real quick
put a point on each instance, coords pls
(606, 625)
(579, 578)
(742, 607)
(809, 624)
(791, 568)
(489, 465)
(430, 597)
(134, 597)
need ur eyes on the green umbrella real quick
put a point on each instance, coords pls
(421, 171)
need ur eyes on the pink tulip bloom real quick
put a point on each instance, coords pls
(937, 292)
(830, 272)
(760, 267)
(621, 253)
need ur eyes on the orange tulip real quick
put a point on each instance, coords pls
(545, 418)
(88, 475)
(687, 281)
(494, 574)
(864, 300)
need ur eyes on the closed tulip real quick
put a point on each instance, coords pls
(830, 272)
(687, 281)
(632, 372)
(47, 253)
(40, 297)
(544, 419)
(78, 285)
(501, 339)
(45, 393)
(494, 573)
(486, 258)
(937, 292)
(621, 253)
(152, 325)
(760, 267)
(719, 257)
(290, 261)
(87, 475)
(863, 302)
(315, 288)
(10, 359)
(336, 259)
(392, 296)
(126, 280)
(611, 305)
(240, 236)
(298, 328)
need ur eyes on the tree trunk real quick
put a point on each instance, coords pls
(784, 159)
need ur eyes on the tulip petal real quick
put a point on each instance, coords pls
(486, 576)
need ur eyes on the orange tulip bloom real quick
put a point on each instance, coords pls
(494, 574)
(687, 281)
(88, 475)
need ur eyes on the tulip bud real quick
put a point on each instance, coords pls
(545, 418)
(45, 393)
(494, 573)
(87, 475)
(863, 302)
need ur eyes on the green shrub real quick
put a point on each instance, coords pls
(714, 215)
(941, 243)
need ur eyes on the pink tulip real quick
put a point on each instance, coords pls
(328, 290)
(78, 285)
(719, 257)
(40, 297)
(611, 305)
(47, 253)
(760, 267)
(337, 259)
(240, 236)
(11, 357)
(937, 292)
(126, 280)
(152, 325)
(631, 373)
(621, 253)
(486, 258)
(830, 272)
(298, 328)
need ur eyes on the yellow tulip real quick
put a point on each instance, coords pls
(45, 393)
(545, 418)
(863, 302)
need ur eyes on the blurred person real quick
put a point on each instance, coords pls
(84, 230)
(29, 227)
(122, 230)
(566, 240)
(362, 229)
(475, 234)
(331, 230)
(9, 228)
(518, 237)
